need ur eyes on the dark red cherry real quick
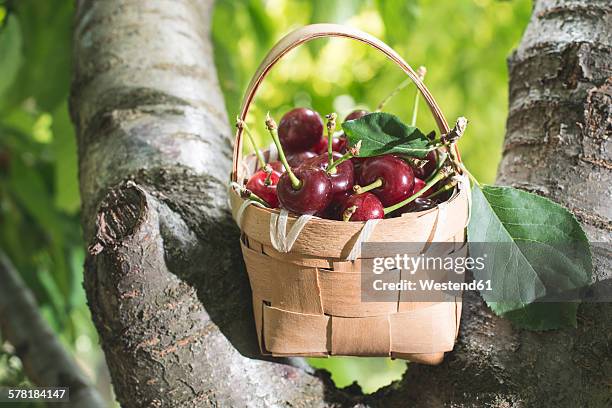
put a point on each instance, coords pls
(339, 144)
(313, 195)
(356, 114)
(430, 166)
(357, 165)
(300, 129)
(362, 207)
(418, 185)
(267, 192)
(276, 166)
(332, 212)
(343, 179)
(296, 159)
(321, 146)
(419, 204)
(396, 176)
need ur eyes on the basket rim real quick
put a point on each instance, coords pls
(406, 216)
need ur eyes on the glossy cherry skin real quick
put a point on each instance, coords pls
(343, 179)
(397, 178)
(356, 114)
(418, 185)
(277, 166)
(368, 206)
(419, 204)
(339, 144)
(257, 184)
(332, 211)
(357, 165)
(313, 196)
(321, 146)
(300, 129)
(427, 170)
(296, 159)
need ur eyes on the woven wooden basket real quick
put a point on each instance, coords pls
(307, 301)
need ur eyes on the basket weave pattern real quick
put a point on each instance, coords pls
(303, 309)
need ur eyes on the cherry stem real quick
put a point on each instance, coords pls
(439, 176)
(415, 110)
(241, 124)
(249, 195)
(401, 86)
(348, 213)
(353, 152)
(364, 189)
(273, 129)
(268, 169)
(439, 165)
(331, 126)
(444, 189)
(332, 169)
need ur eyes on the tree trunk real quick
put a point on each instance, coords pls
(164, 276)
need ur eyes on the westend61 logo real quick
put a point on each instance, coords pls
(427, 272)
(442, 271)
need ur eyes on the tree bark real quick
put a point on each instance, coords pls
(164, 276)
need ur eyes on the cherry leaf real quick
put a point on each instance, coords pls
(537, 252)
(383, 133)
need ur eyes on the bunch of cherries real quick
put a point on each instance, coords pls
(324, 176)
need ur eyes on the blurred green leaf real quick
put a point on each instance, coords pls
(46, 28)
(76, 262)
(54, 294)
(230, 75)
(67, 197)
(370, 372)
(29, 188)
(10, 52)
(262, 24)
(399, 17)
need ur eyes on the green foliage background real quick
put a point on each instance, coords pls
(463, 44)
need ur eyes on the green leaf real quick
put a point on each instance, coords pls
(401, 16)
(262, 24)
(10, 52)
(47, 39)
(535, 248)
(66, 186)
(383, 133)
(544, 316)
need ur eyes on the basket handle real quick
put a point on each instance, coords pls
(311, 32)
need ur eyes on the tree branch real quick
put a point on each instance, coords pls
(45, 361)
(165, 279)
